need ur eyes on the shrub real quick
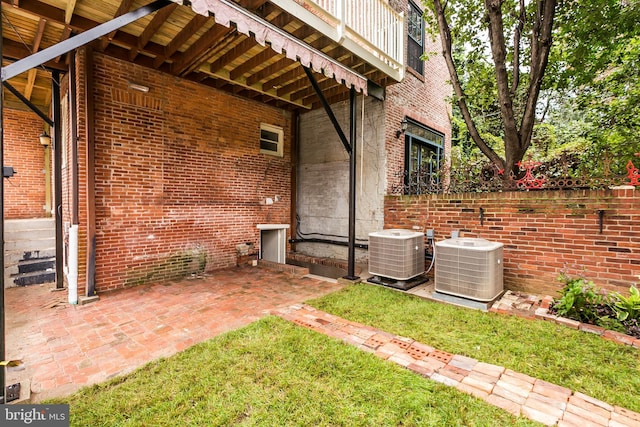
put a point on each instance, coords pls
(581, 300)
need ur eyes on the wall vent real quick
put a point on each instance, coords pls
(396, 254)
(469, 268)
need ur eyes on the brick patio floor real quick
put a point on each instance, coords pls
(65, 347)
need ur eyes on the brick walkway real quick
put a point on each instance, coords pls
(514, 392)
(65, 347)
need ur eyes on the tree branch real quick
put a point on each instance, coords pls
(445, 38)
(499, 53)
(540, 46)
(516, 49)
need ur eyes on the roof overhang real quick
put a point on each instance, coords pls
(227, 14)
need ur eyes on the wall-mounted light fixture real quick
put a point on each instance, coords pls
(45, 139)
(403, 127)
(138, 87)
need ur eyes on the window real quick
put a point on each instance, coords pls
(424, 150)
(271, 139)
(415, 39)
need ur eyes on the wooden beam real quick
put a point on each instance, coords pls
(181, 38)
(269, 70)
(207, 41)
(232, 54)
(158, 19)
(277, 82)
(86, 37)
(266, 54)
(124, 7)
(68, 13)
(80, 24)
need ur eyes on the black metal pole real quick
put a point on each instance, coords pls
(2, 349)
(351, 260)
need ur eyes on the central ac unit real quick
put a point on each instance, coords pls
(396, 254)
(469, 268)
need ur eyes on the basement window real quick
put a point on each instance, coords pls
(271, 139)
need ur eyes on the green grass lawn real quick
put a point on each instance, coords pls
(577, 360)
(273, 373)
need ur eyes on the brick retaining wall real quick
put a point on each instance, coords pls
(544, 232)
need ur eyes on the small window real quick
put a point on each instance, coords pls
(415, 39)
(271, 139)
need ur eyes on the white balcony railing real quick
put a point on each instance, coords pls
(369, 28)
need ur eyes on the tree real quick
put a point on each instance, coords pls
(519, 67)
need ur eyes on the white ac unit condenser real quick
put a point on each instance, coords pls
(469, 268)
(396, 254)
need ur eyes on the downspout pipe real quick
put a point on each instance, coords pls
(72, 274)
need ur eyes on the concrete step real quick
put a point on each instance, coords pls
(14, 257)
(35, 278)
(29, 245)
(33, 234)
(15, 225)
(39, 264)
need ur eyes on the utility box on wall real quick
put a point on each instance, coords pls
(273, 242)
(469, 268)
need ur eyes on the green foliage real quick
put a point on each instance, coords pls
(580, 300)
(590, 105)
(628, 307)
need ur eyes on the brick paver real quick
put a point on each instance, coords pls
(65, 347)
(517, 393)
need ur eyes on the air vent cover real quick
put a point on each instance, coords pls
(396, 254)
(469, 268)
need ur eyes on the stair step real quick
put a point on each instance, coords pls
(31, 234)
(37, 264)
(12, 225)
(30, 245)
(35, 278)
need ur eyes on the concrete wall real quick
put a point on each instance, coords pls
(323, 177)
(322, 198)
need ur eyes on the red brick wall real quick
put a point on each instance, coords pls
(25, 191)
(180, 180)
(421, 98)
(543, 232)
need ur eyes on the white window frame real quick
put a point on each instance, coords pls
(280, 142)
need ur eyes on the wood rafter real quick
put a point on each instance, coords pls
(178, 41)
(124, 7)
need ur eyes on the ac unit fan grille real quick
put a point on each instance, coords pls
(396, 258)
(469, 273)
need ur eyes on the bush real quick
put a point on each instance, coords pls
(581, 300)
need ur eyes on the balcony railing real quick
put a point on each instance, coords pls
(369, 28)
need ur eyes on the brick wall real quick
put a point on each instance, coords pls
(544, 232)
(180, 180)
(25, 192)
(421, 98)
